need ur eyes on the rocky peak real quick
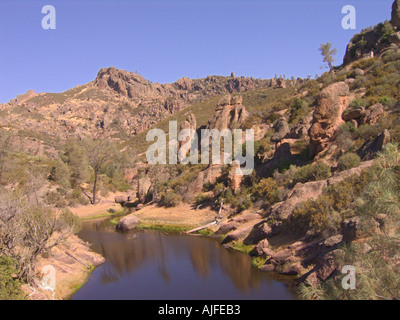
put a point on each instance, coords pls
(127, 84)
(374, 41)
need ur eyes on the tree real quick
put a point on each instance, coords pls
(5, 141)
(28, 231)
(328, 53)
(75, 157)
(99, 154)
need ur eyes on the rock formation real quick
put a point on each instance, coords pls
(234, 178)
(144, 185)
(189, 124)
(369, 150)
(127, 223)
(327, 117)
(364, 116)
(281, 130)
(395, 21)
(229, 114)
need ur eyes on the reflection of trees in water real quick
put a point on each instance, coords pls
(200, 257)
(162, 267)
(108, 275)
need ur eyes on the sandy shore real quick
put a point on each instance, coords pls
(72, 263)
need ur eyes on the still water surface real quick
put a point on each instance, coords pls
(159, 266)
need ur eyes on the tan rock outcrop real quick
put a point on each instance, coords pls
(144, 185)
(189, 124)
(234, 177)
(327, 117)
(229, 114)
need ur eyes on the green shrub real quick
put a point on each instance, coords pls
(202, 199)
(312, 172)
(218, 189)
(298, 110)
(171, 199)
(69, 220)
(327, 211)
(10, 288)
(364, 63)
(386, 101)
(356, 103)
(348, 161)
(267, 189)
(367, 132)
(312, 215)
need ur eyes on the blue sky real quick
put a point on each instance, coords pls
(165, 40)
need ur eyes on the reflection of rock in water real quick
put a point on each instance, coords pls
(238, 266)
(235, 264)
(123, 255)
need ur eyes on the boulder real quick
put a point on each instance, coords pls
(281, 83)
(261, 248)
(237, 235)
(301, 128)
(340, 176)
(144, 185)
(327, 117)
(369, 150)
(127, 223)
(300, 193)
(372, 114)
(121, 199)
(261, 231)
(184, 83)
(292, 270)
(210, 174)
(333, 241)
(325, 268)
(281, 130)
(227, 227)
(267, 268)
(354, 113)
(282, 256)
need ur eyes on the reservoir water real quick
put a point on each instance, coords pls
(160, 266)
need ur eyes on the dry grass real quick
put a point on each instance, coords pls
(182, 215)
(105, 207)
